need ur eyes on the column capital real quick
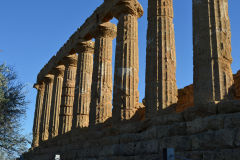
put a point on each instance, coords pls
(39, 86)
(107, 29)
(127, 7)
(84, 46)
(70, 60)
(48, 78)
(59, 71)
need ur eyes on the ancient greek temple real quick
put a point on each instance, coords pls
(82, 114)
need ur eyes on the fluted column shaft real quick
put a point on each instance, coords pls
(66, 108)
(101, 97)
(38, 112)
(46, 107)
(161, 88)
(212, 51)
(56, 100)
(126, 94)
(82, 98)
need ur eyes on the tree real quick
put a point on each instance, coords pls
(12, 110)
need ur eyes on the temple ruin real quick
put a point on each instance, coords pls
(81, 114)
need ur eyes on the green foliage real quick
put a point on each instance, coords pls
(12, 110)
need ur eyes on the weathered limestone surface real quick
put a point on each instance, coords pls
(237, 85)
(38, 112)
(185, 98)
(44, 124)
(212, 51)
(66, 109)
(208, 131)
(102, 14)
(161, 88)
(101, 98)
(212, 136)
(82, 98)
(125, 93)
(56, 100)
(186, 95)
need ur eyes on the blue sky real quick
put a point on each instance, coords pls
(31, 32)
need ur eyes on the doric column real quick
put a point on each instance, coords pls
(125, 92)
(212, 51)
(101, 97)
(38, 112)
(83, 84)
(161, 88)
(66, 108)
(56, 100)
(48, 80)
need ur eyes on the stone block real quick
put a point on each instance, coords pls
(237, 138)
(129, 137)
(125, 149)
(108, 150)
(150, 133)
(121, 158)
(180, 143)
(109, 140)
(90, 152)
(129, 127)
(232, 120)
(229, 106)
(167, 119)
(226, 154)
(212, 140)
(201, 141)
(198, 125)
(237, 85)
(185, 98)
(177, 129)
(200, 111)
(146, 147)
(224, 138)
(148, 157)
(189, 155)
(162, 131)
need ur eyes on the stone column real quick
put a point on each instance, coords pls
(161, 88)
(66, 108)
(101, 97)
(56, 100)
(212, 51)
(125, 92)
(38, 113)
(83, 84)
(48, 80)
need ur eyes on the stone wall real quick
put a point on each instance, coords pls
(237, 84)
(211, 132)
(185, 95)
(185, 98)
